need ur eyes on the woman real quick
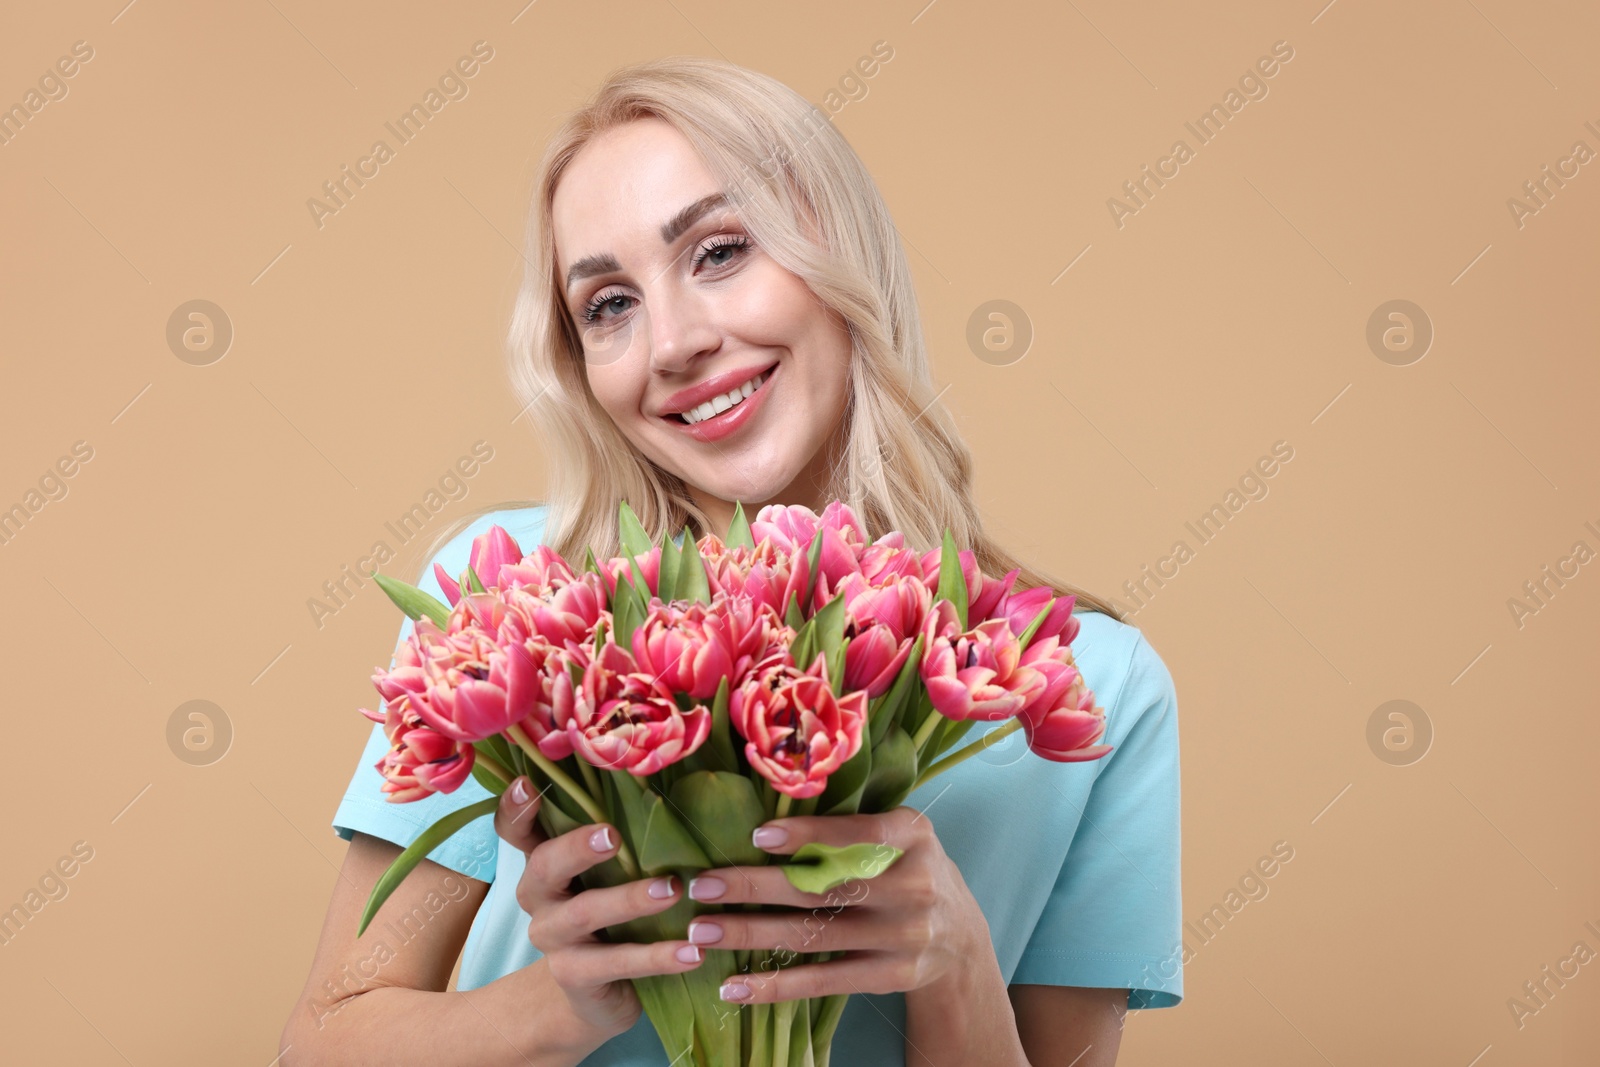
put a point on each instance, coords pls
(717, 308)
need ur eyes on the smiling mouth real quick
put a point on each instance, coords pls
(718, 404)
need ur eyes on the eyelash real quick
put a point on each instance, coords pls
(592, 309)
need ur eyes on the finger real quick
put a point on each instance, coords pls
(801, 931)
(578, 917)
(554, 864)
(856, 973)
(769, 885)
(590, 966)
(514, 819)
(900, 827)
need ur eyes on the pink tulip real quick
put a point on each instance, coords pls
(420, 761)
(462, 684)
(620, 719)
(541, 569)
(977, 674)
(685, 648)
(1065, 724)
(883, 622)
(796, 731)
(618, 567)
(1019, 609)
(490, 550)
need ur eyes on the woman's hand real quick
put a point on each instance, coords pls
(593, 974)
(903, 930)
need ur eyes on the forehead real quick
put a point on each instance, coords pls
(622, 186)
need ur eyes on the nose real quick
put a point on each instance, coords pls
(681, 329)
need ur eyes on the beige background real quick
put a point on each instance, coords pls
(1229, 313)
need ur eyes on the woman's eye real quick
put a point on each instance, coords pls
(594, 308)
(714, 251)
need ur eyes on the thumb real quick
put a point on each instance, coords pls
(515, 819)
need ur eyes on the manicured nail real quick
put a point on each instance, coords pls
(706, 887)
(735, 991)
(600, 840)
(704, 933)
(661, 888)
(689, 954)
(519, 791)
(769, 837)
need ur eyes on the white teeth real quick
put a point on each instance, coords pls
(718, 404)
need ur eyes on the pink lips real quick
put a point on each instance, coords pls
(727, 422)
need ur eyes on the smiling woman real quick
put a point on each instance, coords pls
(685, 339)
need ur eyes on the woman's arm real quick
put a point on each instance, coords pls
(1069, 1025)
(378, 1000)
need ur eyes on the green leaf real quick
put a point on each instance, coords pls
(830, 623)
(485, 777)
(671, 565)
(635, 542)
(739, 529)
(1033, 627)
(892, 704)
(952, 582)
(426, 842)
(664, 843)
(721, 810)
(894, 771)
(641, 588)
(792, 616)
(721, 739)
(845, 785)
(813, 561)
(693, 584)
(817, 868)
(413, 601)
(476, 583)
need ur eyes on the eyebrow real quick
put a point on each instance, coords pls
(671, 230)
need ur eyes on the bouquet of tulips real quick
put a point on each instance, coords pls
(687, 692)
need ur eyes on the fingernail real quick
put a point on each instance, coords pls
(769, 837)
(519, 791)
(600, 840)
(704, 933)
(735, 991)
(689, 954)
(661, 888)
(706, 887)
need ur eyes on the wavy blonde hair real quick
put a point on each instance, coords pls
(809, 202)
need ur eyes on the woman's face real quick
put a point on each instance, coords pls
(677, 307)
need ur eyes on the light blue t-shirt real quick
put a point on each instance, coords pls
(1075, 865)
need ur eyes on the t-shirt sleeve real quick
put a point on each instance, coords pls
(471, 850)
(1114, 918)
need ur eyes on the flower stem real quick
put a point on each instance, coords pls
(784, 800)
(589, 778)
(990, 738)
(573, 790)
(925, 731)
(494, 767)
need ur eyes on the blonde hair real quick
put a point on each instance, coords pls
(809, 202)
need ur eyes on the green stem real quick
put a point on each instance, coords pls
(494, 767)
(784, 800)
(925, 731)
(990, 738)
(589, 778)
(572, 789)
